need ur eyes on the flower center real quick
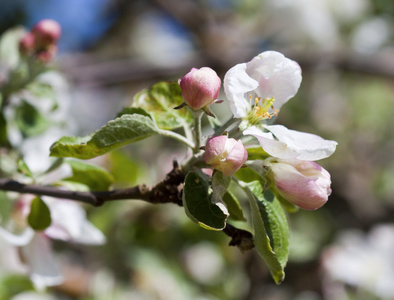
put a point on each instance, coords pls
(262, 109)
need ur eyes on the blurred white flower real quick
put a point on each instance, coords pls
(372, 34)
(362, 261)
(69, 223)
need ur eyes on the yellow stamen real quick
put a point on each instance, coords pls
(262, 109)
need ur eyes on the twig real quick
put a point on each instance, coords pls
(167, 191)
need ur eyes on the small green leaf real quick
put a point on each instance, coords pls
(271, 232)
(24, 169)
(116, 133)
(9, 41)
(255, 171)
(198, 203)
(233, 206)
(29, 120)
(96, 178)
(14, 284)
(160, 100)
(40, 216)
(256, 152)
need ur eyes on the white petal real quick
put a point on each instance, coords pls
(308, 146)
(236, 84)
(43, 268)
(278, 76)
(285, 143)
(17, 239)
(270, 145)
(69, 223)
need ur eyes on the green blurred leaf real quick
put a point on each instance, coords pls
(255, 171)
(9, 43)
(24, 169)
(126, 170)
(160, 101)
(198, 203)
(271, 231)
(6, 207)
(40, 216)
(256, 152)
(116, 133)
(29, 120)
(96, 178)
(3, 130)
(11, 285)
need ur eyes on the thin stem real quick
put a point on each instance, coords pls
(178, 137)
(226, 125)
(197, 130)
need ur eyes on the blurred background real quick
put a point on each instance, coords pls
(111, 49)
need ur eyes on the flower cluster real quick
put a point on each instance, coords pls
(256, 91)
(41, 41)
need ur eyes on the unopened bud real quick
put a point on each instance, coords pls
(46, 33)
(47, 55)
(26, 44)
(225, 154)
(200, 87)
(303, 183)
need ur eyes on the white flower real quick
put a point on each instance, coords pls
(281, 142)
(69, 223)
(257, 89)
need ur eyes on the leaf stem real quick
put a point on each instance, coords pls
(178, 137)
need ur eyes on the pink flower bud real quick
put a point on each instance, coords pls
(200, 87)
(46, 33)
(26, 44)
(225, 154)
(47, 55)
(303, 183)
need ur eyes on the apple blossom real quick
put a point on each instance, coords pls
(256, 90)
(200, 87)
(303, 183)
(225, 154)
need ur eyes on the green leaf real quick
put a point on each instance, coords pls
(255, 171)
(198, 203)
(40, 216)
(271, 231)
(160, 101)
(9, 52)
(233, 206)
(24, 169)
(96, 178)
(256, 152)
(29, 120)
(13, 284)
(6, 207)
(116, 133)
